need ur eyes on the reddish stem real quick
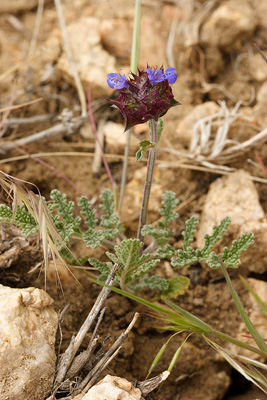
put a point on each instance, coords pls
(260, 161)
(98, 141)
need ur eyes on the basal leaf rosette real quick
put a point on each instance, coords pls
(147, 95)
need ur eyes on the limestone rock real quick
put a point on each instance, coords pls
(116, 37)
(236, 196)
(28, 326)
(228, 25)
(113, 388)
(15, 6)
(115, 138)
(92, 61)
(185, 127)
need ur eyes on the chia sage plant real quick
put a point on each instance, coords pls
(144, 97)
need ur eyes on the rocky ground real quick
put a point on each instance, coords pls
(211, 154)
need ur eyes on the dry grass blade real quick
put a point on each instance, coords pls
(37, 207)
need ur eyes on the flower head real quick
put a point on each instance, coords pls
(147, 95)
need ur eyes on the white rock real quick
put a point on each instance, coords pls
(92, 61)
(236, 196)
(229, 24)
(185, 127)
(28, 326)
(113, 388)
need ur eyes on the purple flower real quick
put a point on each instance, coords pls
(155, 75)
(117, 81)
(170, 75)
(145, 95)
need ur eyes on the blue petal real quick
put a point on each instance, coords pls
(170, 75)
(155, 76)
(117, 81)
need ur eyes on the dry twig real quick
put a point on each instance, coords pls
(90, 379)
(76, 341)
(70, 126)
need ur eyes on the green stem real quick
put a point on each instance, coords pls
(149, 177)
(253, 331)
(237, 342)
(134, 64)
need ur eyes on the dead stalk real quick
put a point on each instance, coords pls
(90, 379)
(76, 341)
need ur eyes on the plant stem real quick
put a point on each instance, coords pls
(237, 342)
(149, 177)
(134, 64)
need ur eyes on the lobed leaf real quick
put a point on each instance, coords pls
(6, 214)
(142, 270)
(26, 221)
(190, 230)
(103, 267)
(88, 212)
(169, 203)
(176, 287)
(153, 283)
(93, 238)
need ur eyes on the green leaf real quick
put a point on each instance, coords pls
(93, 238)
(169, 203)
(165, 252)
(6, 214)
(142, 270)
(108, 202)
(109, 220)
(211, 240)
(161, 235)
(190, 230)
(183, 258)
(232, 257)
(26, 221)
(64, 221)
(189, 256)
(88, 212)
(176, 287)
(252, 329)
(153, 283)
(144, 146)
(127, 255)
(259, 301)
(103, 267)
